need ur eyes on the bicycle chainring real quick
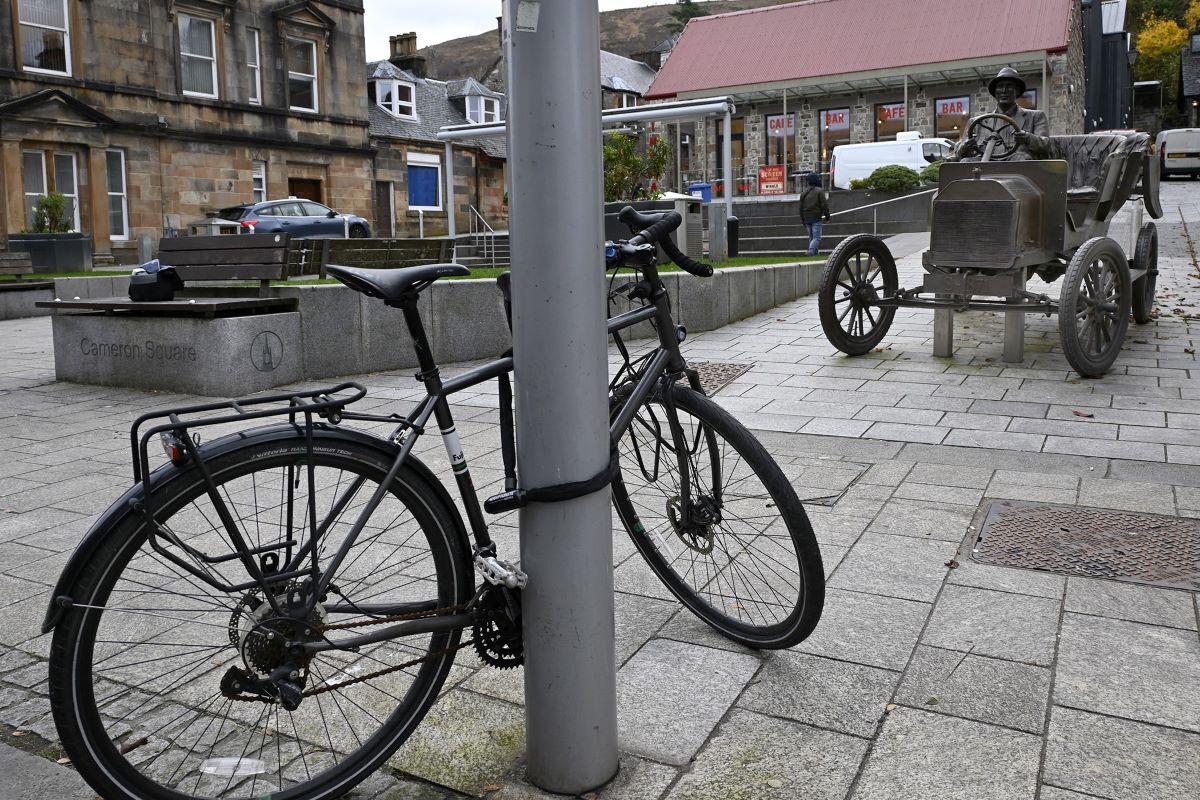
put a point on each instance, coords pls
(497, 634)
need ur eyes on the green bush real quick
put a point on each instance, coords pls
(50, 214)
(860, 183)
(930, 174)
(893, 178)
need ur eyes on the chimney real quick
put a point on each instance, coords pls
(405, 56)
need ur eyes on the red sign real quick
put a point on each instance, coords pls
(834, 118)
(772, 179)
(954, 105)
(779, 126)
(891, 112)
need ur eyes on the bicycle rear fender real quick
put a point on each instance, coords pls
(162, 477)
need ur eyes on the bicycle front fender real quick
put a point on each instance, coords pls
(131, 501)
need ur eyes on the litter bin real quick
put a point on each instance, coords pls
(701, 190)
(733, 236)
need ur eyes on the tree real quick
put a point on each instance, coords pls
(627, 169)
(1158, 47)
(685, 10)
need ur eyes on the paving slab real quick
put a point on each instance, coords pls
(848, 698)
(867, 629)
(671, 695)
(983, 689)
(1131, 670)
(1109, 757)
(924, 755)
(32, 778)
(1010, 626)
(1129, 601)
(754, 757)
(895, 567)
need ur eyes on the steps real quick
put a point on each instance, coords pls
(477, 250)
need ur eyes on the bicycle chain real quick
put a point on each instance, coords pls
(387, 670)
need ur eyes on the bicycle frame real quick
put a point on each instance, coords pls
(663, 365)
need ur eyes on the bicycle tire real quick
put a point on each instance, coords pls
(765, 519)
(128, 694)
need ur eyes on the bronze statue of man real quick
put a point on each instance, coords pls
(1032, 136)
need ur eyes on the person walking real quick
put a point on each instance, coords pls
(813, 210)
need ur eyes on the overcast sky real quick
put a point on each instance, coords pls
(440, 20)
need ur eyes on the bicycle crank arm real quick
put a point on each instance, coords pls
(413, 627)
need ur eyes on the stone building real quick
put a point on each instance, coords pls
(407, 108)
(812, 75)
(149, 116)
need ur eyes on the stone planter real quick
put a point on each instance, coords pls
(55, 252)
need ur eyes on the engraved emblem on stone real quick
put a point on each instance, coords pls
(266, 351)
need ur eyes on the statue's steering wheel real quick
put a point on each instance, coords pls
(994, 134)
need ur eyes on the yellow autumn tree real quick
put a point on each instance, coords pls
(1191, 17)
(1158, 48)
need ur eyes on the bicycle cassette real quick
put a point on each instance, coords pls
(497, 632)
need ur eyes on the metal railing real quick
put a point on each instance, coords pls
(875, 208)
(478, 224)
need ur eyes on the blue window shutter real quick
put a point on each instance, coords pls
(422, 186)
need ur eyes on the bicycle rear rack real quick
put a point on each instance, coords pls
(328, 403)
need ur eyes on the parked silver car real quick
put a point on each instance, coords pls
(302, 219)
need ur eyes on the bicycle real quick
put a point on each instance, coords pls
(272, 613)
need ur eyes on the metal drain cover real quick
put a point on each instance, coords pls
(715, 375)
(1093, 543)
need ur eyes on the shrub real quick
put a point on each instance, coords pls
(860, 183)
(930, 174)
(50, 214)
(892, 178)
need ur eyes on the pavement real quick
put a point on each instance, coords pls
(931, 675)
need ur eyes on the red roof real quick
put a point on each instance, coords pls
(837, 37)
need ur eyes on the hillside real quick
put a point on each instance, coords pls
(628, 32)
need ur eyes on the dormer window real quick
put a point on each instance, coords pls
(483, 109)
(396, 98)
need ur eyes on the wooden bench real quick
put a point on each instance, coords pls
(261, 257)
(310, 256)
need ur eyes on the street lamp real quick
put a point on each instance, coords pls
(1132, 56)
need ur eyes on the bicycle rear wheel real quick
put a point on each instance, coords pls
(143, 663)
(739, 550)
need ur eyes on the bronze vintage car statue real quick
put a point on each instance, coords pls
(994, 225)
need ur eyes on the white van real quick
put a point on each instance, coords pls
(1178, 152)
(855, 161)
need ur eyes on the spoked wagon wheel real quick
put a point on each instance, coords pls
(1093, 310)
(1145, 257)
(859, 273)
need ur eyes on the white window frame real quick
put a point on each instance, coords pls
(258, 181)
(31, 197)
(254, 64)
(73, 196)
(428, 160)
(483, 109)
(394, 108)
(123, 195)
(66, 32)
(628, 100)
(312, 78)
(212, 30)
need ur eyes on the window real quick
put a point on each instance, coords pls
(33, 178)
(302, 75)
(253, 60)
(198, 56)
(687, 140)
(118, 203)
(628, 100)
(951, 117)
(66, 183)
(63, 179)
(483, 109)
(1196, 42)
(889, 120)
(834, 127)
(1028, 100)
(737, 147)
(258, 180)
(424, 182)
(781, 139)
(934, 151)
(45, 36)
(396, 98)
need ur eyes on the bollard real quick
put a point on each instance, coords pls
(560, 349)
(718, 232)
(145, 247)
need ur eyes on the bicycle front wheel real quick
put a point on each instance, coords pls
(150, 666)
(717, 521)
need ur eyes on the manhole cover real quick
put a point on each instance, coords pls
(715, 375)
(1093, 543)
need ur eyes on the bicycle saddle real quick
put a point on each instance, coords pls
(390, 284)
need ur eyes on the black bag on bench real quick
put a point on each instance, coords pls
(154, 286)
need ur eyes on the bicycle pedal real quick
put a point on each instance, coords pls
(500, 573)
